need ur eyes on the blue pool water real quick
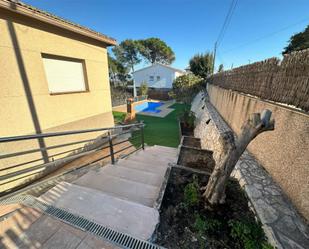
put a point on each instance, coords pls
(148, 107)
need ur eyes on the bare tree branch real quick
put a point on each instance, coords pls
(255, 125)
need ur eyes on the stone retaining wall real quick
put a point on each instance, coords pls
(207, 128)
(282, 224)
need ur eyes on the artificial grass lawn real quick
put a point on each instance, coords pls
(119, 117)
(163, 131)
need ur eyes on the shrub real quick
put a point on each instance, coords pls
(185, 87)
(249, 235)
(191, 193)
(187, 117)
(206, 225)
(143, 89)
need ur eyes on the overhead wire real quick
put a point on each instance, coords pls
(223, 30)
(226, 22)
(265, 36)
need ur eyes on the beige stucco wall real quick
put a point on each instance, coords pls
(70, 107)
(283, 152)
(54, 112)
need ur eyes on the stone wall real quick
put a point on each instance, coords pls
(283, 152)
(281, 222)
(209, 131)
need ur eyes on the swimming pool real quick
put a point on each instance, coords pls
(148, 107)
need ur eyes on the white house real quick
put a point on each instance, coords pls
(157, 75)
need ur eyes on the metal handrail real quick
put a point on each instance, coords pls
(43, 149)
(64, 133)
(72, 157)
(108, 135)
(110, 144)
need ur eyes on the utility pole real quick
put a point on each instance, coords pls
(214, 58)
(134, 87)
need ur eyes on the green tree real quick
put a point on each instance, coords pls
(201, 64)
(143, 89)
(155, 50)
(127, 53)
(298, 42)
(117, 71)
(185, 87)
(221, 68)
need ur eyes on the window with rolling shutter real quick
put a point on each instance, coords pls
(64, 75)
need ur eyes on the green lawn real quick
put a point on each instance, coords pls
(163, 131)
(119, 117)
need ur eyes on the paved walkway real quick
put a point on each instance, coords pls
(281, 221)
(120, 108)
(28, 228)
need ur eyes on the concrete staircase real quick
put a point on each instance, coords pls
(120, 196)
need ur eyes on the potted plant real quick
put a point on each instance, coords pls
(186, 122)
(143, 90)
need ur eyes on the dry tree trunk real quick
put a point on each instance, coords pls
(255, 125)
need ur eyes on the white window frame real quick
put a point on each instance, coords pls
(83, 86)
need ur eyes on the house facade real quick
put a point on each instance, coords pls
(157, 76)
(54, 77)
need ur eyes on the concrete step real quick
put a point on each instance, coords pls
(151, 158)
(145, 165)
(124, 216)
(157, 152)
(121, 188)
(131, 174)
(160, 149)
(165, 149)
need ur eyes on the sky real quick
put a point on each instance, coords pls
(259, 29)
